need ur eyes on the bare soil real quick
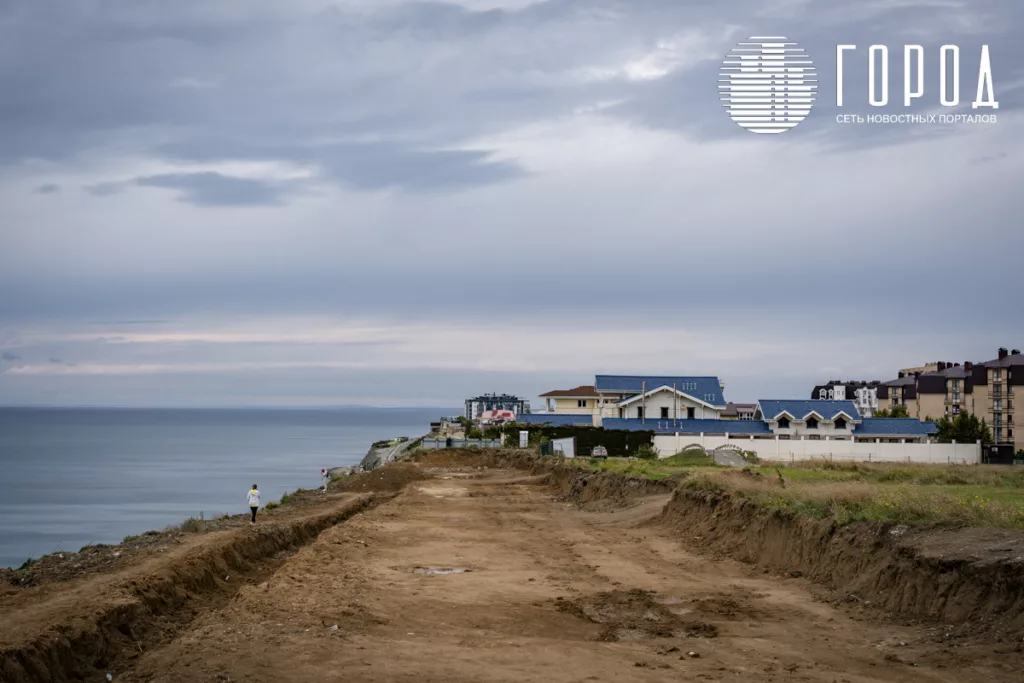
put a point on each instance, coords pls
(472, 574)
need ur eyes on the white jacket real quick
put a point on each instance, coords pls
(254, 498)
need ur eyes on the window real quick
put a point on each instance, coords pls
(840, 423)
(582, 403)
(997, 375)
(812, 423)
(956, 410)
(814, 437)
(997, 404)
(691, 413)
(664, 413)
(783, 422)
(1009, 434)
(997, 390)
(640, 413)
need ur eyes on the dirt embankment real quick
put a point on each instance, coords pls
(82, 630)
(971, 578)
(964, 581)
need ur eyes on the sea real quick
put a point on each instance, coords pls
(71, 477)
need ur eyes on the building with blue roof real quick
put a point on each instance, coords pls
(715, 427)
(895, 427)
(813, 419)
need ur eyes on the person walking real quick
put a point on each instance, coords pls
(326, 477)
(254, 502)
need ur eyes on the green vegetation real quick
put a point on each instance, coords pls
(692, 457)
(895, 411)
(917, 494)
(943, 495)
(646, 452)
(964, 428)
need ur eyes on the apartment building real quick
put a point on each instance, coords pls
(997, 385)
(987, 390)
(945, 391)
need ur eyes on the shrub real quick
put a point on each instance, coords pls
(647, 452)
(192, 526)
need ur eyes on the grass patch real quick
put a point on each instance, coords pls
(925, 495)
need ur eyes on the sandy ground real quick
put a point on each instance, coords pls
(542, 591)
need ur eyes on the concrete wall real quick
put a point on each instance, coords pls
(790, 450)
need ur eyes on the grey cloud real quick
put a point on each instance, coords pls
(215, 189)
(56, 361)
(367, 166)
(989, 158)
(9, 356)
(105, 189)
(48, 188)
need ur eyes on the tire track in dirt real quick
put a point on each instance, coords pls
(553, 593)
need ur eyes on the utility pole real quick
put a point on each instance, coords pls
(643, 402)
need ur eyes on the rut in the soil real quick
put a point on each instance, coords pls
(164, 602)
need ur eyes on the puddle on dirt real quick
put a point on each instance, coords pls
(439, 571)
(634, 615)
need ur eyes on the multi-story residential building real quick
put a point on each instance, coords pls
(947, 392)
(480, 404)
(642, 397)
(660, 397)
(582, 400)
(997, 386)
(863, 394)
(899, 392)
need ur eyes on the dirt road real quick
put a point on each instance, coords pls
(484, 576)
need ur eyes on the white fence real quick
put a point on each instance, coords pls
(806, 449)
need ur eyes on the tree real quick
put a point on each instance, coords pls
(895, 411)
(964, 428)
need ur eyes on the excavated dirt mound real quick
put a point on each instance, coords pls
(635, 615)
(70, 635)
(390, 478)
(456, 457)
(973, 578)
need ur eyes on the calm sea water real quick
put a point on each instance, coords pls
(70, 477)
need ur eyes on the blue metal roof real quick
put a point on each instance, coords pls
(707, 389)
(730, 427)
(556, 420)
(894, 426)
(801, 409)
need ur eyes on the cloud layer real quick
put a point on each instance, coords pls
(520, 192)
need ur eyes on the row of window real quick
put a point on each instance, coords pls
(691, 414)
(812, 423)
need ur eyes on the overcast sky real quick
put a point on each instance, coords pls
(398, 202)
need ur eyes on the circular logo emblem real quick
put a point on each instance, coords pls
(767, 84)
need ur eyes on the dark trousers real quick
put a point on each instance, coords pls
(254, 513)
